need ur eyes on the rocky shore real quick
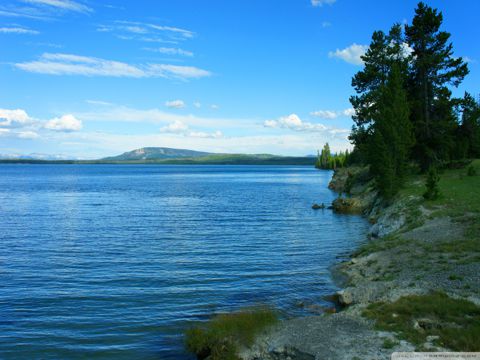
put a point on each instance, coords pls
(414, 248)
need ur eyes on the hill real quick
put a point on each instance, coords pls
(155, 153)
(161, 155)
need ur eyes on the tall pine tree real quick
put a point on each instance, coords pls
(468, 136)
(433, 69)
(384, 50)
(392, 139)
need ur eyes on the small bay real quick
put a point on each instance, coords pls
(116, 261)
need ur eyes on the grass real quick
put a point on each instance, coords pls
(458, 191)
(220, 338)
(380, 244)
(460, 200)
(456, 322)
(389, 343)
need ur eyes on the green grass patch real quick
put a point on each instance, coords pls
(220, 338)
(389, 343)
(455, 321)
(380, 244)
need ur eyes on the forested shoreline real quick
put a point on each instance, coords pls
(407, 119)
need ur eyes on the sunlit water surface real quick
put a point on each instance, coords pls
(115, 261)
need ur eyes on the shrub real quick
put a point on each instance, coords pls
(219, 338)
(471, 171)
(455, 321)
(433, 192)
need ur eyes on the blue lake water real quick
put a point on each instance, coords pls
(115, 261)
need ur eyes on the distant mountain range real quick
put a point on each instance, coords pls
(162, 155)
(35, 156)
(154, 153)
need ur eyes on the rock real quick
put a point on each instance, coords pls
(345, 297)
(348, 206)
(425, 324)
(316, 206)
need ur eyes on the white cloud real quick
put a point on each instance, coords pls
(325, 114)
(197, 104)
(349, 112)
(319, 3)
(69, 64)
(180, 128)
(18, 30)
(171, 51)
(330, 114)
(98, 102)
(18, 134)
(176, 127)
(175, 104)
(216, 134)
(182, 32)
(177, 71)
(204, 135)
(214, 107)
(270, 123)
(64, 123)
(293, 122)
(27, 135)
(156, 116)
(69, 5)
(19, 124)
(326, 24)
(14, 118)
(351, 54)
(134, 30)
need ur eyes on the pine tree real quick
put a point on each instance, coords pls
(384, 50)
(433, 68)
(392, 140)
(433, 191)
(381, 165)
(468, 137)
(325, 157)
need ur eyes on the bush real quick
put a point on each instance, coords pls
(219, 338)
(471, 171)
(433, 192)
(456, 322)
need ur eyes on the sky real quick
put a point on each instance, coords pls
(88, 79)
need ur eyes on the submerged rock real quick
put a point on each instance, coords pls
(316, 206)
(348, 206)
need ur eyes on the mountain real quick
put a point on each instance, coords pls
(36, 156)
(161, 155)
(156, 153)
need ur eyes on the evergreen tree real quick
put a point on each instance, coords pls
(325, 157)
(392, 140)
(384, 50)
(433, 191)
(381, 165)
(468, 139)
(433, 68)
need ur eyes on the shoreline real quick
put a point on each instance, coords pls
(406, 254)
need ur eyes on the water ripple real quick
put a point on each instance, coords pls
(114, 262)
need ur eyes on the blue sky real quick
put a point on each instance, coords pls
(87, 79)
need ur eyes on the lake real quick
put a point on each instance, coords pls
(115, 261)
